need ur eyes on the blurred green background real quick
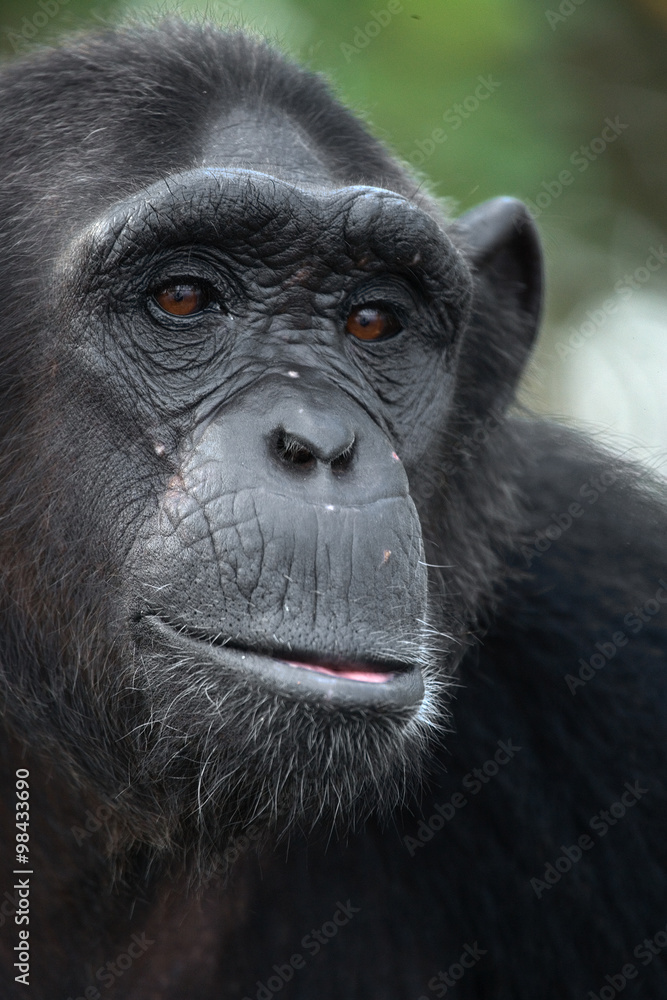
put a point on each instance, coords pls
(561, 103)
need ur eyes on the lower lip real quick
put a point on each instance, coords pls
(346, 688)
(363, 676)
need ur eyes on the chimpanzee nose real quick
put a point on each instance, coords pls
(303, 439)
(310, 437)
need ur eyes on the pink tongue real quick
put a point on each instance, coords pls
(370, 677)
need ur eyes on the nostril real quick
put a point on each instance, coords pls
(341, 463)
(294, 452)
(308, 446)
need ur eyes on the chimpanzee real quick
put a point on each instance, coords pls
(326, 672)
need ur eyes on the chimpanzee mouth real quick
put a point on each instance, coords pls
(304, 676)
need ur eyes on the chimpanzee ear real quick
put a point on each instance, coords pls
(501, 243)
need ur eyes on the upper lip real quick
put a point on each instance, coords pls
(277, 652)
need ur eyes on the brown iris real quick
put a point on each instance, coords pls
(182, 298)
(372, 323)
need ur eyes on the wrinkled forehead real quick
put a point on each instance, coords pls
(266, 140)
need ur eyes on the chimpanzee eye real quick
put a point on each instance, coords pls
(183, 297)
(372, 322)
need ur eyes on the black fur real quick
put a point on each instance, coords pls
(151, 774)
